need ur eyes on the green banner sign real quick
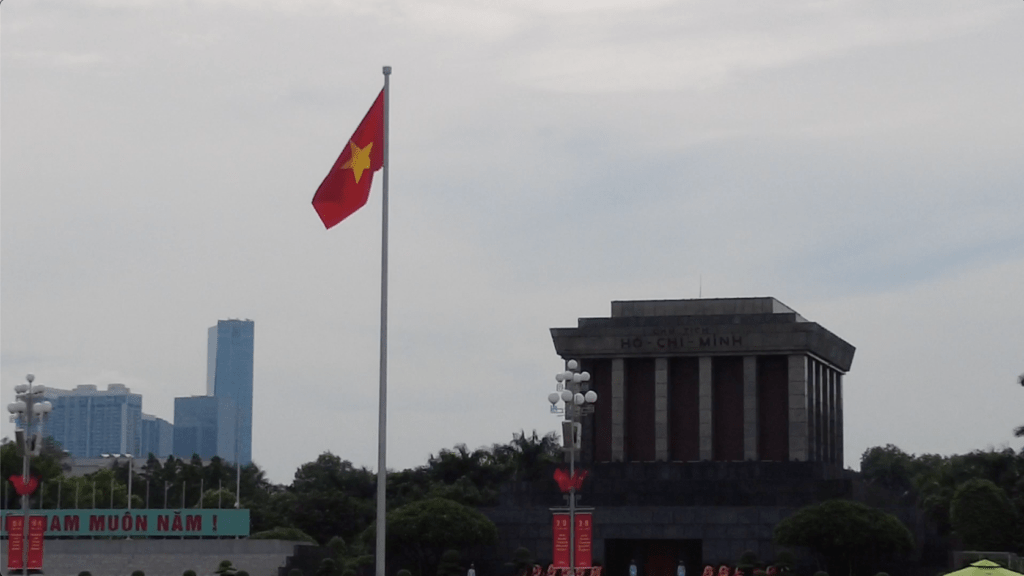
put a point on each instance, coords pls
(104, 522)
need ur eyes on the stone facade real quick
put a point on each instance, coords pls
(766, 383)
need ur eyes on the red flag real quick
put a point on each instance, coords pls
(347, 185)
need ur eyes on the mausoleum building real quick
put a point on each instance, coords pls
(715, 419)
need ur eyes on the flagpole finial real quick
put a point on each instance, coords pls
(387, 70)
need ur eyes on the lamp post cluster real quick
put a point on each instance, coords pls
(575, 403)
(27, 411)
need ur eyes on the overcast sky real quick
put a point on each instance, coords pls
(861, 161)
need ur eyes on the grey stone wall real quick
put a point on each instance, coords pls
(160, 557)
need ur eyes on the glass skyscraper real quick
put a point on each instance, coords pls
(229, 375)
(204, 425)
(88, 422)
(157, 437)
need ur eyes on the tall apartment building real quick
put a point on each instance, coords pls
(229, 375)
(89, 422)
(205, 425)
(157, 437)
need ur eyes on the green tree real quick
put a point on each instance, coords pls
(330, 497)
(48, 466)
(849, 537)
(530, 457)
(983, 517)
(889, 467)
(422, 530)
(214, 498)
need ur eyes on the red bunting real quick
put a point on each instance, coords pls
(566, 482)
(23, 488)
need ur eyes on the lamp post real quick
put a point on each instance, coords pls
(29, 409)
(568, 391)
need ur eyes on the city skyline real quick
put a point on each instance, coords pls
(88, 422)
(859, 161)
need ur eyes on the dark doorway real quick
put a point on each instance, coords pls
(652, 557)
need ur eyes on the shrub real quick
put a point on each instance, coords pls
(225, 568)
(404, 572)
(294, 571)
(522, 561)
(821, 573)
(284, 533)
(188, 573)
(338, 546)
(241, 573)
(138, 573)
(785, 560)
(449, 565)
(747, 561)
(85, 573)
(327, 568)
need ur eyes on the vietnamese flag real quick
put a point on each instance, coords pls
(347, 186)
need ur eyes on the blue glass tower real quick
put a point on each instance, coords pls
(157, 437)
(229, 375)
(205, 426)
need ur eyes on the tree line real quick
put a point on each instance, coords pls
(330, 501)
(973, 501)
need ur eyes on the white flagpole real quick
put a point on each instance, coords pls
(382, 426)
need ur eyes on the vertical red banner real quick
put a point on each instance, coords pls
(36, 532)
(15, 541)
(560, 543)
(584, 536)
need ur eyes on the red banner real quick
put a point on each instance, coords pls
(584, 533)
(36, 529)
(15, 542)
(561, 541)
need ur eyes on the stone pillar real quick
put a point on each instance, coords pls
(798, 421)
(704, 393)
(750, 408)
(618, 409)
(661, 409)
(812, 409)
(830, 416)
(839, 420)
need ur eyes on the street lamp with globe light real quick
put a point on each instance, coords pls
(575, 404)
(29, 410)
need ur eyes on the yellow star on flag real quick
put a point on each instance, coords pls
(359, 161)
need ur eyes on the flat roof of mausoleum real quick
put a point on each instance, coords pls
(701, 327)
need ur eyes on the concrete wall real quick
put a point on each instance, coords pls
(160, 557)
